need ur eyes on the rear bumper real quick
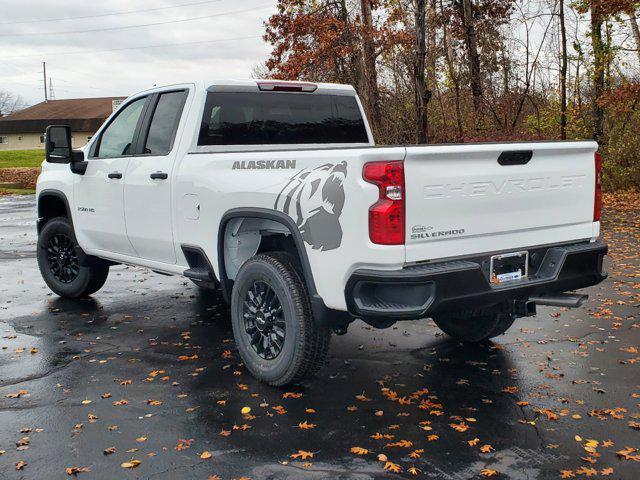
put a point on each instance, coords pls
(424, 290)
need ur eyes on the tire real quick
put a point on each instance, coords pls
(475, 327)
(58, 254)
(269, 301)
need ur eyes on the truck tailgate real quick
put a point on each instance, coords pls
(460, 200)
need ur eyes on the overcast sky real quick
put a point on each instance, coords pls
(108, 61)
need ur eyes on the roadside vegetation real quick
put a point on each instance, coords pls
(19, 171)
(21, 158)
(432, 71)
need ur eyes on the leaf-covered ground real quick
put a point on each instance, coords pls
(143, 381)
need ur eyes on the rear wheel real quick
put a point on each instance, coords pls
(273, 326)
(59, 262)
(475, 327)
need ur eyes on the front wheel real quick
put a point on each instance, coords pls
(475, 328)
(273, 326)
(59, 262)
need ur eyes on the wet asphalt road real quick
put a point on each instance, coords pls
(148, 366)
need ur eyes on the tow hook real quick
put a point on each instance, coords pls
(340, 330)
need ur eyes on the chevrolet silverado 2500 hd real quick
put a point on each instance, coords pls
(275, 193)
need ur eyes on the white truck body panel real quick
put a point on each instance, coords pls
(219, 189)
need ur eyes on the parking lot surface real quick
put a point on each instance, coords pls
(143, 381)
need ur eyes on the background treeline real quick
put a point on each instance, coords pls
(433, 71)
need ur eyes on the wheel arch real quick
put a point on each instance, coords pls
(321, 313)
(273, 216)
(52, 203)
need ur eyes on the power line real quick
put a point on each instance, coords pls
(78, 52)
(181, 20)
(128, 12)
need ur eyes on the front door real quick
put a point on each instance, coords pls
(147, 190)
(98, 194)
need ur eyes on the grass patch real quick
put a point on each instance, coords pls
(17, 191)
(21, 158)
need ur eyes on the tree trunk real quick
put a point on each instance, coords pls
(422, 93)
(636, 31)
(432, 59)
(599, 65)
(370, 80)
(473, 57)
(448, 49)
(353, 68)
(563, 75)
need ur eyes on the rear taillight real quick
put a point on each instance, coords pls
(597, 205)
(386, 216)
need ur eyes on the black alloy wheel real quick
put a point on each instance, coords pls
(62, 258)
(264, 320)
(65, 268)
(273, 326)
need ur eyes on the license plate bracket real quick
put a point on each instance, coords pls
(509, 267)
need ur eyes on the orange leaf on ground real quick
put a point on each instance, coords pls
(487, 472)
(306, 426)
(302, 454)
(392, 467)
(359, 450)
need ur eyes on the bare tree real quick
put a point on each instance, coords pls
(635, 29)
(563, 73)
(9, 103)
(468, 22)
(422, 93)
(599, 67)
(370, 75)
(453, 75)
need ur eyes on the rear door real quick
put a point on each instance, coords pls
(147, 189)
(468, 199)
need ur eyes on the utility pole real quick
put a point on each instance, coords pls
(52, 95)
(44, 73)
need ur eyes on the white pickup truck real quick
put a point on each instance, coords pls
(275, 192)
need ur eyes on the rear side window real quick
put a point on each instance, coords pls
(268, 118)
(164, 124)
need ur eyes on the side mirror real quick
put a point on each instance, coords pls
(58, 149)
(58, 144)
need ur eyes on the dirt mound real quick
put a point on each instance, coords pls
(19, 177)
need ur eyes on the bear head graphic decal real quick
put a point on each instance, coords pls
(314, 198)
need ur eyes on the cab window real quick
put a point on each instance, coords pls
(164, 124)
(117, 138)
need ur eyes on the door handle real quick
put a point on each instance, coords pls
(113, 175)
(159, 176)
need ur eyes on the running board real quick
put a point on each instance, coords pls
(200, 274)
(200, 268)
(561, 300)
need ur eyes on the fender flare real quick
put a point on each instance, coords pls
(51, 192)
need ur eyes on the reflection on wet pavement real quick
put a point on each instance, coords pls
(146, 371)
